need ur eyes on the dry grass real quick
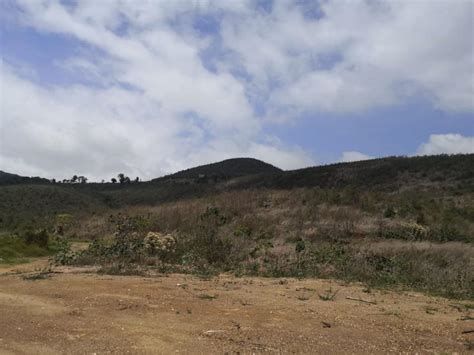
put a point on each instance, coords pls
(306, 232)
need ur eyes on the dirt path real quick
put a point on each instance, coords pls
(74, 312)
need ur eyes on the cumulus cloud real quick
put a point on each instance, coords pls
(58, 132)
(358, 55)
(173, 113)
(164, 93)
(354, 156)
(447, 144)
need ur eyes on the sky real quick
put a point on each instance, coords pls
(150, 87)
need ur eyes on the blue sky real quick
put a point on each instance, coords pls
(378, 132)
(151, 87)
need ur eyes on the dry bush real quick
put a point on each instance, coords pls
(305, 233)
(446, 269)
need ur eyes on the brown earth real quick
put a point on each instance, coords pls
(76, 311)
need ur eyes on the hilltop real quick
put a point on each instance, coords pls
(227, 169)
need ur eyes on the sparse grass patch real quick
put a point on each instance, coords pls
(17, 249)
(41, 275)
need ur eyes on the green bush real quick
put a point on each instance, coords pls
(13, 248)
(39, 238)
(389, 212)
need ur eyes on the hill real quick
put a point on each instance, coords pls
(226, 169)
(391, 172)
(9, 179)
(34, 199)
(390, 222)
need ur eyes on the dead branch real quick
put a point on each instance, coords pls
(360, 300)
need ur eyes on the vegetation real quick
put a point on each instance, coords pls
(17, 248)
(7, 178)
(405, 223)
(227, 168)
(297, 233)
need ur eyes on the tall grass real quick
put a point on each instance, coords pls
(16, 249)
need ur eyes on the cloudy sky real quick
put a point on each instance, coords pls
(97, 87)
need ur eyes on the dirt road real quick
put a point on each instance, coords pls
(74, 312)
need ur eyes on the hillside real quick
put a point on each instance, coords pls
(227, 168)
(32, 200)
(393, 222)
(8, 179)
(391, 172)
(23, 205)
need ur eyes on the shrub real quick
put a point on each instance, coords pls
(389, 212)
(64, 254)
(62, 223)
(407, 231)
(449, 233)
(161, 245)
(13, 248)
(39, 238)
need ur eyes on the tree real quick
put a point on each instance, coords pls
(82, 179)
(123, 179)
(137, 179)
(114, 180)
(74, 179)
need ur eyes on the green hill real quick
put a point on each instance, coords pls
(227, 168)
(391, 172)
(8, 179)
(34, 201)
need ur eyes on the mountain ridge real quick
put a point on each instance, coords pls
(366, 171)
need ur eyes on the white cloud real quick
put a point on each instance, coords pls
(350, 156)
(447, 144)
(178, 115)
(58, 132)
(437, 144)
(157, 108)
(360, 55)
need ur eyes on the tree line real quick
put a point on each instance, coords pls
(79, 179)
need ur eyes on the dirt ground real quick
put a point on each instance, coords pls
(73, 311)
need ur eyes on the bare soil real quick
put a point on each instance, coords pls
(76, 311)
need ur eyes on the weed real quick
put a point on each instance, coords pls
(329, 295)
(37, 276)
(430, 310)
